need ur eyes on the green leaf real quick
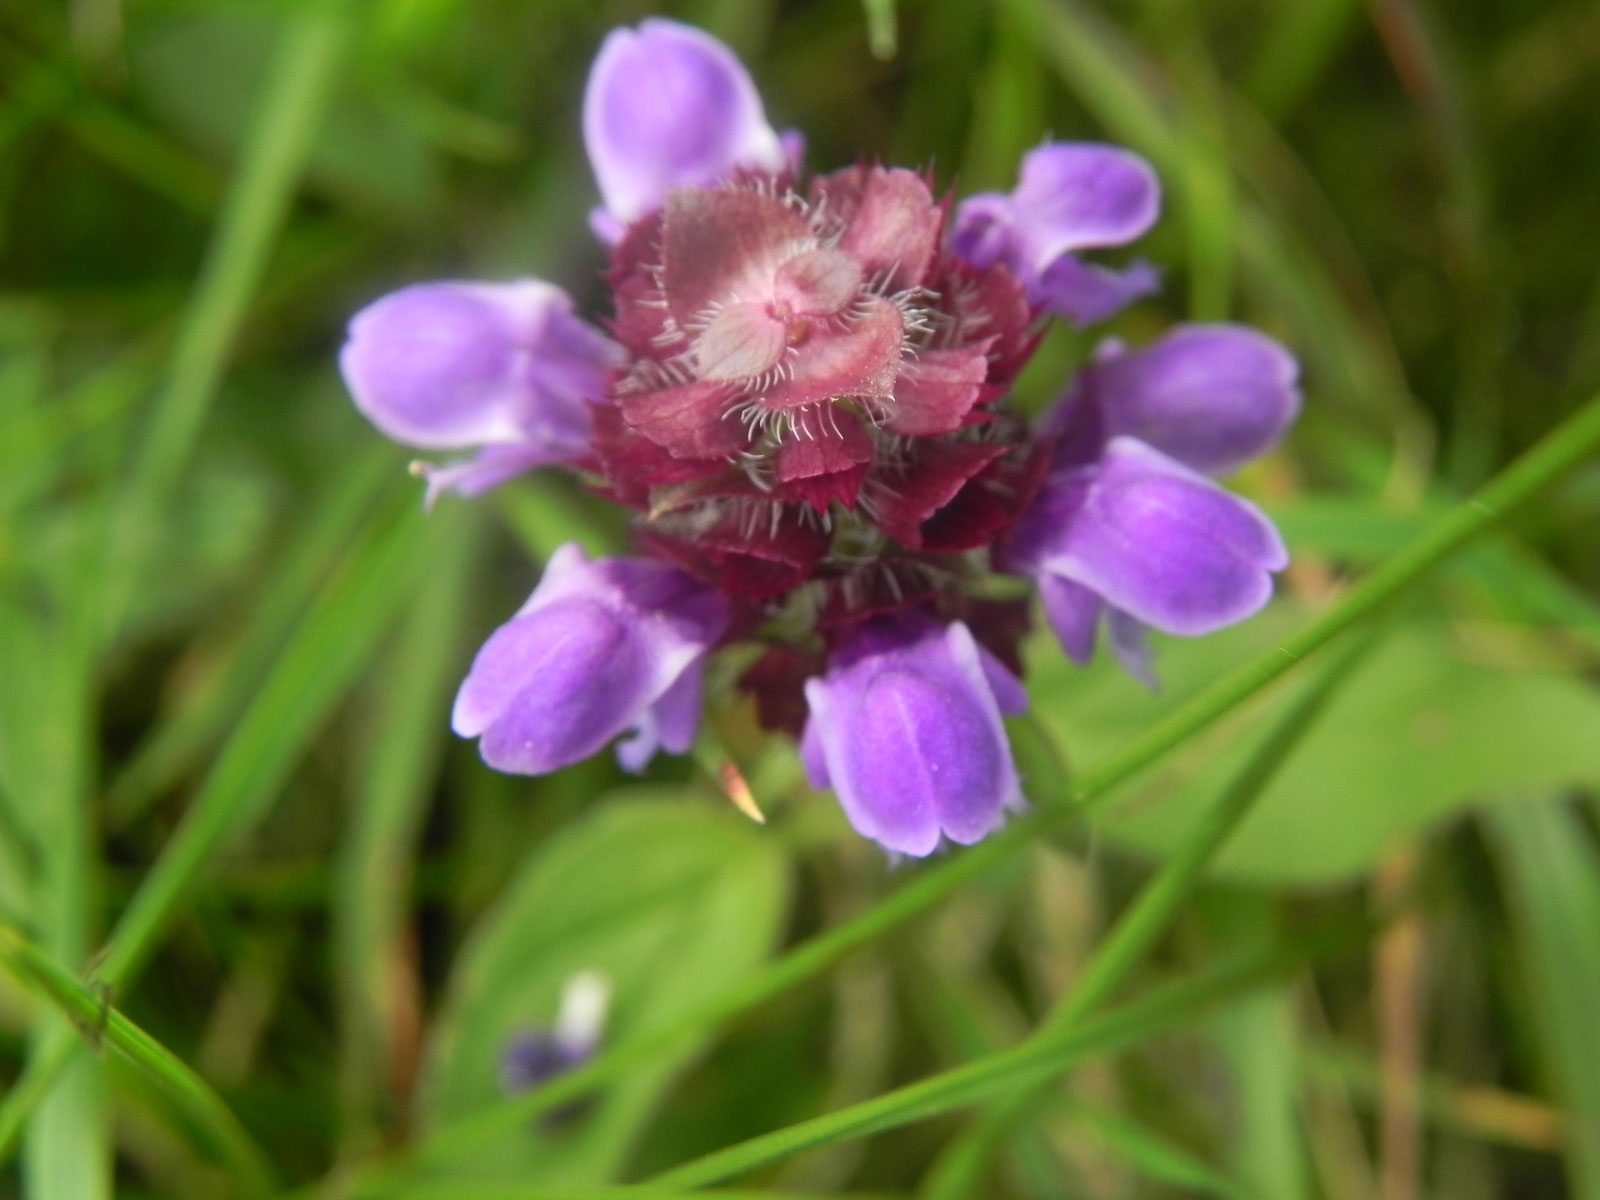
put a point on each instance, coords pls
(671, 901)
(1419, 734)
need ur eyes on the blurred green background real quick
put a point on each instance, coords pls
(230, 804)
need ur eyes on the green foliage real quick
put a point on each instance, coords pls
(1438, 728)
(669, 903)
(264, 923)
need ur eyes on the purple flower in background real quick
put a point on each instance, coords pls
(1072, 196)
(599, 649)
(541, 1053)
(905, 727)
(802, 394)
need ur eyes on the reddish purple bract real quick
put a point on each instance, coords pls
(809, 398)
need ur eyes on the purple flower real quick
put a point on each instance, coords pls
(1125, 526)
(1211, 396)
(598, 650)
(1072, 196)
(539, 1054)
(803, 397)
(905, 727)
(669, 107)
(1141, 535)
(503, 367)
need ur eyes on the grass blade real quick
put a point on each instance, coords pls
(959, 1169)
(1041, 1057)
(397, 778)
(317, 667)
(1550, 869)
(106, 1027)
(299, 83)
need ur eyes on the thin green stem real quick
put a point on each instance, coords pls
(1040, 1057)
(1152, 911)
(1143, 922)
(106, 1027)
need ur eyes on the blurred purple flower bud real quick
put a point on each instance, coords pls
(539, 1055)
(1143, 537)
(1211, 396)
(505, 367)
(668, 106)
(599, 649)
(905, 727)
(1071, 196)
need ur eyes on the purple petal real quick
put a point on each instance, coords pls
(599, 649)
(488, 469)
(984, 232)
(1211, 396)
(1162, 543)
(812, 757)
(906, 726)
(449, 365)
(1086, 294)
(560, 683)
(1074, 614)
(1072, 196)
(1130, 643)
(669, 724)
(666, 107)
(1083, 195)
(1009, 695)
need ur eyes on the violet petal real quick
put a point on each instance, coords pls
(1211, 396)
(668, 106)
(1130, 644)
(909, 733)
(1086, 294)
(1081, 196)
(448, 365)
(599, 649)
(1074, 615)
(1161, 542)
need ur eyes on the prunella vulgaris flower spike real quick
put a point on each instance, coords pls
(802, 396)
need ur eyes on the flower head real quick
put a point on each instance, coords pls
(802, 395)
